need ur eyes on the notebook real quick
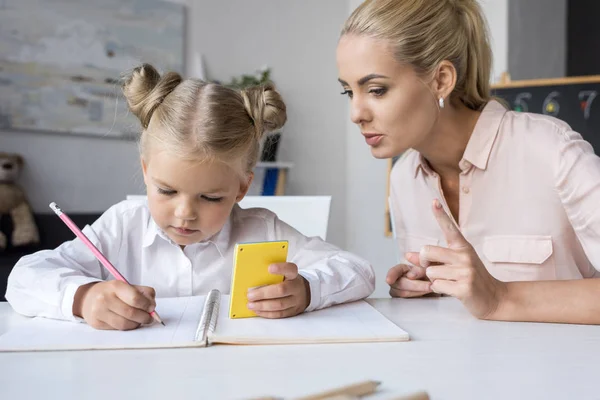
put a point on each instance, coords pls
(202, 321)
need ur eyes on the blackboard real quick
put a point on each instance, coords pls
(574, 100)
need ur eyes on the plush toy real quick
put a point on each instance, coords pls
(13, 202)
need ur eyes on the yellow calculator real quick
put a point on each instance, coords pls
(250, 269)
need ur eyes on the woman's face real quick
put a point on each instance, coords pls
(393, 108)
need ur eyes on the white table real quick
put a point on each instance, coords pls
(452, 355)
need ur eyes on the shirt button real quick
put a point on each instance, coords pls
(465, 189)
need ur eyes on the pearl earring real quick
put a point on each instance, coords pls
(441, 102)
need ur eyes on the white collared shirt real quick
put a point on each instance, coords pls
(44, 283)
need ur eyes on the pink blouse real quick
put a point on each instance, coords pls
(529, 198)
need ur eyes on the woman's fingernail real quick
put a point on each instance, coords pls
(411, 275)
(251, 306)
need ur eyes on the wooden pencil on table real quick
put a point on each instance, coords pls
(355, 390)
(413, 396)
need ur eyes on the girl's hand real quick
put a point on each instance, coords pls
(286, 299)
(114, 305)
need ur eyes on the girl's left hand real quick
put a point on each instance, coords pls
(458, 270)
(285, 299)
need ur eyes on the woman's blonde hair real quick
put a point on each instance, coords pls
(423, 33)
(196, 120)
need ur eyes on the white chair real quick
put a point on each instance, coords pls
(308, 214)
(136, 197)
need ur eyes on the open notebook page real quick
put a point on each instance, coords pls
(180, 315)
(352, 322)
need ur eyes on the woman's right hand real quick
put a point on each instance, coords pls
(114, 305)
(408, 280)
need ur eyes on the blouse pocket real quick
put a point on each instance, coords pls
(414, 243)
(519, 258)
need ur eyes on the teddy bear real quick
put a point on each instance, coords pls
(13, 202)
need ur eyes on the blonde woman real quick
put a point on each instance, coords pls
(199, 144)
(496, 208)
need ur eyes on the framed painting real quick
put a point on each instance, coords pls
(61, 61)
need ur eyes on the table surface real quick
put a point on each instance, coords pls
(451, 355)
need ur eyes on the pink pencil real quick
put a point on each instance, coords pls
(65, 218)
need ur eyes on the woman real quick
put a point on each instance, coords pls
(515, 222)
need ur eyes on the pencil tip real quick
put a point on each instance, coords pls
(163, 324)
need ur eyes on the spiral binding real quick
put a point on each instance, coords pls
(208, 320)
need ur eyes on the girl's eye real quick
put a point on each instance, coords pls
(166, 192)
(347, 93)
(213, 199)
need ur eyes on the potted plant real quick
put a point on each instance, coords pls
(260, 77)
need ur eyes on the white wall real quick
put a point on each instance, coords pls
(81, 174)
(538, 39)
(496, 12)
(297, 40)
(366, 176)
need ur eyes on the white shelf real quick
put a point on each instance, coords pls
(276, 164)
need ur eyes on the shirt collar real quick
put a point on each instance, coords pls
(152, 231)
(484, 135)
(220, 239)
(481, 141)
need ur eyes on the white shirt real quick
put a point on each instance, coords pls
(44, 283)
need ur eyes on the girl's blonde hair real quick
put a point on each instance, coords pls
(423, 33)
(196, 120)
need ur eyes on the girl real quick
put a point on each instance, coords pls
(515, 222)
(199, 144)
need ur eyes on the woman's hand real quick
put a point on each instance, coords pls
(459, 272)
(408, 280)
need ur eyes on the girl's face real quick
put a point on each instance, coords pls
(393, 108)
(190, 201)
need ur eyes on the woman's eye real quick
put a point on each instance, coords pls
(378, 91)
(347, 93)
